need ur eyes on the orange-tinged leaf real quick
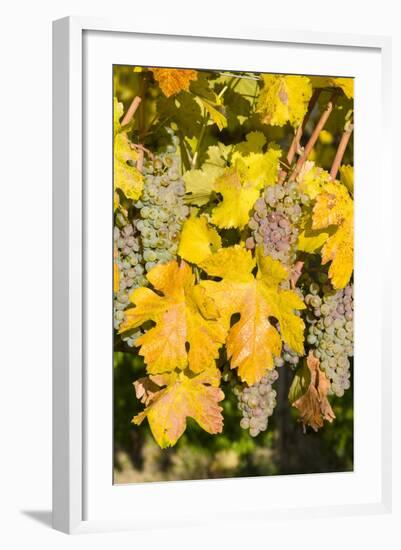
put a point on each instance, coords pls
(183, 315)
(334, 207)
(234, 264)
(312, 179)
(168, 409)
(253, 341)
(172, 81)
(313, 406)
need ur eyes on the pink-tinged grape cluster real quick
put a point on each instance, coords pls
(331, 332)
(257, 403)
(288, 356)
(275, 221)
(161, 209)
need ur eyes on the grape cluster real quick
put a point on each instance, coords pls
(287, 356)
(257, 403)
(149, 233)
(128, 257)
(331, 332)
(275, 221)
(161, 209)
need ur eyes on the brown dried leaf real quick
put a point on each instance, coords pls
(314, 407)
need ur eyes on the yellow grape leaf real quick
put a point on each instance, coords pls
(172, 81)
(118, 110)
(284, 99)
(238, 199)
(183, 314)
(313, 406)
(347, 177)
(240, 185)
(257, 169)
(199, 183)
(345, 84)
(196, 397)
(334, 207)
(254, 341)
(218, 154)
(126, 177)
(116, 201)
(198, 240)
(116, 278)
(123, 151)
(312, 179)
(310, 240)
(215, 114)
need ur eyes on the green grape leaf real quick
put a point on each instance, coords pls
(300, 383)
(184, 111)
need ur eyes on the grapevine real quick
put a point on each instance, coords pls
(233, 249)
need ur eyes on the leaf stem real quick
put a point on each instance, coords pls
(296, 273)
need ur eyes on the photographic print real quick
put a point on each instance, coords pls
(233, 295)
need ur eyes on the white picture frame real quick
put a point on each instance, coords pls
(71, 420)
